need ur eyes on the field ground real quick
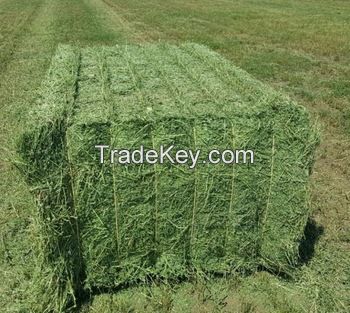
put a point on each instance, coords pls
(300, 47)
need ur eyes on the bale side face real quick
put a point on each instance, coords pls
(158, 219)
(44, 162)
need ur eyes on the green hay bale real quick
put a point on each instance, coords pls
(122, 224)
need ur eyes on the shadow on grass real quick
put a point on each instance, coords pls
(312, 234)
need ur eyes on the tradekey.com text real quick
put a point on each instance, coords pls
(169, 154)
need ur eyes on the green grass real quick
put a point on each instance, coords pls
(299, 47)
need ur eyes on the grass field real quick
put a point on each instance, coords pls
(299, 47)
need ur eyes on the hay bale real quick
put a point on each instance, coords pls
(105, 225)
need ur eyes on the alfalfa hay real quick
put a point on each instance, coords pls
(104, 225)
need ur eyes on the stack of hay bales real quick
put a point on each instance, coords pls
(104, 225)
